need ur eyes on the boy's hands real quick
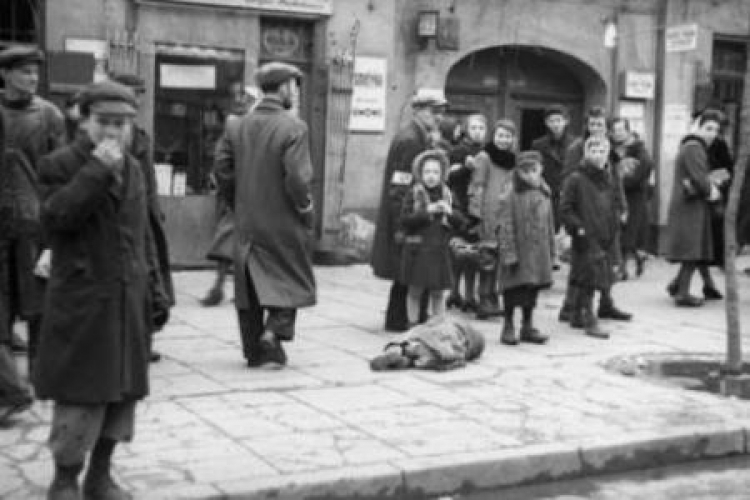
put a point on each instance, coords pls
(109, 152)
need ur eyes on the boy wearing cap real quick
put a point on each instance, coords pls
(33, 128)
(526, 247)
(93, 349)
(264, 171)
(553, 146)
(409, 142)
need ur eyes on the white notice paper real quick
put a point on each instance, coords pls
(177, 76)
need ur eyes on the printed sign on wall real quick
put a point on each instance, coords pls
(368, 96)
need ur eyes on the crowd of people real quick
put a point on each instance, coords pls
(461, 205)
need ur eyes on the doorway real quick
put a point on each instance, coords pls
(531, 126)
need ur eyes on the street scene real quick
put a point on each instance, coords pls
(374, 249)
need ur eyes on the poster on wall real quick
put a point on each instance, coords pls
(635, 112)
(368, 96)
(178, 76)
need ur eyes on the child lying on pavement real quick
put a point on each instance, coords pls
(440, 344)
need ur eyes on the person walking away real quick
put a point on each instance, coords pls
(428, 221)
(464, 254)
(15, 396)
(264, 171)
(590, 215)
(634, 166)
(526, 247)
(141, 149)
(491, 179)
(33, 128)
(689, 233)
(93, 348)
(410, 141)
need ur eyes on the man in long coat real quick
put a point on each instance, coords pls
(33, 128)
(263, 169)
(93, 349)
(387, 245)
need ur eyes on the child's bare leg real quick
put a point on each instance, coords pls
(437, 304)
(413, 299)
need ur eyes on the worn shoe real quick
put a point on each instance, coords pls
(104, 488)
(214, 297)
(672, 288)
(688, 301)
(454, 300)
(531, 335)
(566, 313)
(508, 336)
(65, 483)
(577, 319)
(711, 293)
(470, 305)
(154, 357)
(592, 328)
(611, 312)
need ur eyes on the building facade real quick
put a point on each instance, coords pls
(653, 61)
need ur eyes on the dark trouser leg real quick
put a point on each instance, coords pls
(281, 322)
(508, 335)
(13, 390)
(683, 297)
(607, 308)
(395, 315)
(710, 291)
(35, 326)
(470, 283)
(569, 302)
(251, 322)
(454, 299)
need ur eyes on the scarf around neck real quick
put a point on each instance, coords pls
(502, 158)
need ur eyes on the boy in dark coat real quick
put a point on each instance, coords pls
(526, 247)
(590, 215)
(93, 349)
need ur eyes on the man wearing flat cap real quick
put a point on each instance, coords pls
(93, 349)
(263, 170)
(33, 128)
(140, 148)
(414, 138)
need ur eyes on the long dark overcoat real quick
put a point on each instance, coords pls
(93, 345)
(635, 186)
(263, 166)
(589, 202)
(387, 247)
(553, 153)
(689, 232)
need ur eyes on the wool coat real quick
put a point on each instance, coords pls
(93, 343)
(526, 236)
(264, 169)
(491, 180)
(689, 232)
(589, 203)
(388, 239)
(32, 129)
(634, 166)
(459, 181)
(553, 153)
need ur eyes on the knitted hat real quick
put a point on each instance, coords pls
(526, 159)
(430, 154)
(474, 340)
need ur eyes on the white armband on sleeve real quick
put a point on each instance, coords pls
(401, 178)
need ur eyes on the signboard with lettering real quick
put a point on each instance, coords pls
(638, 85)
(368, 96)
(321, 7)
(681, 38)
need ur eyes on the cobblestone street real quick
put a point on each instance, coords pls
(328, 427)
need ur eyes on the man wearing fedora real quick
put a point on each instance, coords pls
(428, 109)
(263, 170)
(33, 128)
(93, 348)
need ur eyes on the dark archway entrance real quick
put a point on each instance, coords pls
(518, 82)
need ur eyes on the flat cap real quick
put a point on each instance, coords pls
(555, 109)
(276, 73)
(428, 98)
(135, 82)
(19, 55)
(108, 98)
(528, 158)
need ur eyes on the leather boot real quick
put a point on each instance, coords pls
(591, 325)
(508, 336)
(608, 310)
(532, 335)
(98, 484)
(65, 483)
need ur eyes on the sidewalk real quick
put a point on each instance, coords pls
(327, 427)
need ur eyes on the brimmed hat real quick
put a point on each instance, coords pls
(276, 73)
(18, 56)
(527, 158)
(135, 82)
(108, 98)
(555, 109)
(429, 98)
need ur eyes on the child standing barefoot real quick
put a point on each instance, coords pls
(427, 219)
(526, 246)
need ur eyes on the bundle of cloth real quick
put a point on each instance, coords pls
(440, 344)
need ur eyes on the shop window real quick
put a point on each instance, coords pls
(727, 78)
(192, 99)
